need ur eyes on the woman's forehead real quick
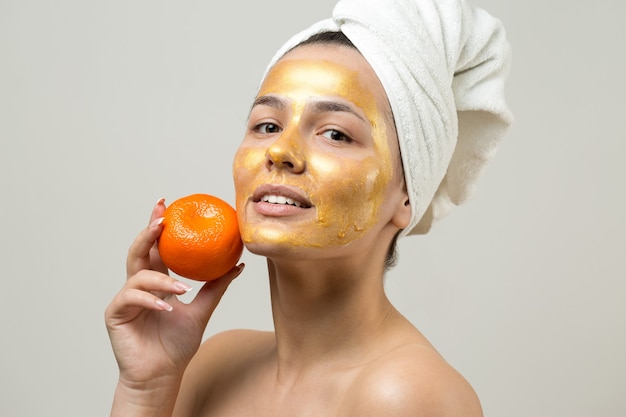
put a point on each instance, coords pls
(326, 71)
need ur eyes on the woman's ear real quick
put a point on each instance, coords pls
(402, 215)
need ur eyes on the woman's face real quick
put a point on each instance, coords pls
(319, 164)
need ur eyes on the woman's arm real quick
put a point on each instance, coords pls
(153, 334)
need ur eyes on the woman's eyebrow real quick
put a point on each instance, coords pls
(331, 106)
(270, 101)
(322, 106)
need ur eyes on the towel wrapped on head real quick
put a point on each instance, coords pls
(443, 65)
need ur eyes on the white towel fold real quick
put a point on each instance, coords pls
(443, 65)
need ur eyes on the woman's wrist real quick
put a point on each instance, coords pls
(154, 398)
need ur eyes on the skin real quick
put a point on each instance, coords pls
(339, 347)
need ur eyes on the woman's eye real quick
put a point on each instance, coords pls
(266, 128)
(336, 135)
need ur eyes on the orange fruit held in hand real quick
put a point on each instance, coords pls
(200, 238)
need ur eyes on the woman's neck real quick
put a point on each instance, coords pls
(324, 314)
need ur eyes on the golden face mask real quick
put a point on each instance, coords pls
(308, 105)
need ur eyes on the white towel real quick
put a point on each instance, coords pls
(443, 64)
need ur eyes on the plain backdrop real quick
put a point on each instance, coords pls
(105, 106)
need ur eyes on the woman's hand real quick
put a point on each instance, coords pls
(153, 334)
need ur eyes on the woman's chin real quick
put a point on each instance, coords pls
(277, 239)
(276, 248)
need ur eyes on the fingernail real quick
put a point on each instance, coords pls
(240, 269)
(160, 201)
(157, 222)
(182, 286)
(163, 305)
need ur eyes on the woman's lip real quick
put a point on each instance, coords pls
(279, 210)
(286, 191)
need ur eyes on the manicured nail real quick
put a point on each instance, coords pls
(240, 268)
(157, 222)
(182, 286)
(163, 305)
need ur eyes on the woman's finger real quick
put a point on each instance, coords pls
(145, 290)
(142, 299)
(210, 294)
(156, 282)
(156, 262)
(139, 252)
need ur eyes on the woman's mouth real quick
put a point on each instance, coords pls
(279, 199)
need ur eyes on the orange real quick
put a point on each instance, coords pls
(200, 238)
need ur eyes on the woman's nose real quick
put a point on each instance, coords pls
(285, 153)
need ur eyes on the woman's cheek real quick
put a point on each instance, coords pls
(245, 165)
(346, 207)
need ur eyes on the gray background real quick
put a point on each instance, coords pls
(105, 106)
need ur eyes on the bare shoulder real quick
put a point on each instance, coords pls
(237, 343)
(412, 381)
(221, 359)
(225, 352)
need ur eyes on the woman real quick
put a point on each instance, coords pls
(325, 180)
